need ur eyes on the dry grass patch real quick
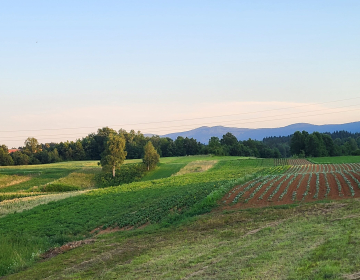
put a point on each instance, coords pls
(196, 166)
(84, 179)
(25, 203)
(10, 180)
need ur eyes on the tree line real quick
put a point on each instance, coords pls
(304, 144)
(93, 145)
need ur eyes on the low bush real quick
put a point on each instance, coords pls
(127, 173)
(58, 188)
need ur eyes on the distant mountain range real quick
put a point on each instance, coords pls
(204, 133)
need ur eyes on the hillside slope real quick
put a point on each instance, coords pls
(316, 241)
(204, 133)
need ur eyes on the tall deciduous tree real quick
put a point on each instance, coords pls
(31, 146)
(114, 154)
(151, 156)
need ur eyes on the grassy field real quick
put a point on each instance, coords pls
(158, 232)
(341, 159)
(38, 175)
(17, 205)
(313, 241)
(155, 201)
(164, 170)
(196, 166)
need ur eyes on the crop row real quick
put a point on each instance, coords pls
(292, 187)
(323, 168)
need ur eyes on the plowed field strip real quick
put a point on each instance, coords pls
(282, 188)
(299, 183)
(277, 187)
(288, 197)
(302, 188)
(353, 183)
(298, 162)
(356, 175)
(355, 179)
(347, 167)
(337, 185)
(334, 193)
(331, 167)
(231, 195)
(248, 192)
(270, 188)
(248, 189)
(344, 186)
(258, 193)
(323, 188)
(311, 189)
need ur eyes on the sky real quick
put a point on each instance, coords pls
(70, 67)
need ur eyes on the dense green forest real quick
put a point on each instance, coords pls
(304, 144)
(301, 144)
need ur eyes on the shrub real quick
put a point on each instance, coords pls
(127, 173)
(58, 188)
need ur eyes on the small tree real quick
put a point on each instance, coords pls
(151, 156)
(114, 154)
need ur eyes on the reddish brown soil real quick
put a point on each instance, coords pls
(347, 167)
(334, 193)
(312, 190)
(344, 185)
(298, 161)
(264, 201)
(67, 247)
(322, 186)
(324, 172)
(302, 188)
(258, 194)
(356, 175)
(331, 167)
(282, 188)
(239, 189)
(276, 183)
(342, 167)
(246, 194)
(354, 185)
(287, 199)
(326, 168)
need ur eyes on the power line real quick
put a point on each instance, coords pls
(169, 121)
(202, 124)
(241, 123)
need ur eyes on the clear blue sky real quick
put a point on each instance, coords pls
(94, 63)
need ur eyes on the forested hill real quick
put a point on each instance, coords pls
(204, 133)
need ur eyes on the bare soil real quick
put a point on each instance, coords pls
(64, 248)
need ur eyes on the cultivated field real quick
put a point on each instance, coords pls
(171, 227)
(300, 183)
(291, 161)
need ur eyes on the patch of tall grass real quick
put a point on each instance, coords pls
(18, 205)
